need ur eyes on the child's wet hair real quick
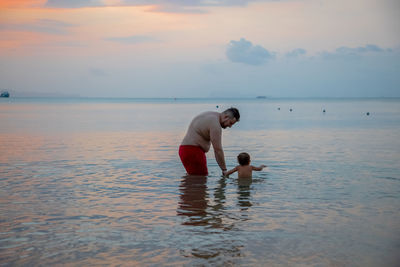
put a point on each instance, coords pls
(243, 158)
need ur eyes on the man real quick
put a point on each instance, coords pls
(204, 130)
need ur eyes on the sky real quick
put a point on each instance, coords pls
(200, 48)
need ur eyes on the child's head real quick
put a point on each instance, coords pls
(243, 159)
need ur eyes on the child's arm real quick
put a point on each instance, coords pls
(258, 168)
(230, 172)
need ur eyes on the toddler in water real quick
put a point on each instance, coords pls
(244, 170)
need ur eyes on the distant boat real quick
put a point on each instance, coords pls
(261, 97)
(5, 94)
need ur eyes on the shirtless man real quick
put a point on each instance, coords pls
(204, 130)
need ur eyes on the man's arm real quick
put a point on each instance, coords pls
(215, 136)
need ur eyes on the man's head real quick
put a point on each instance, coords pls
(229, 117)
(243, 159)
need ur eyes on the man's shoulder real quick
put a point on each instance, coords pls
(209, 117)
(209, 114)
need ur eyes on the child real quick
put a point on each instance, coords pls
(244, 169)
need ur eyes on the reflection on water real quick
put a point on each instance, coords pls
(213, 221)
(244, 193)
(193, 200)
(80, 189)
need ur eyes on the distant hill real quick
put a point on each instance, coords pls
(17, 93)
(4, 94)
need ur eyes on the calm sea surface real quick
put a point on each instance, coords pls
(93, 182)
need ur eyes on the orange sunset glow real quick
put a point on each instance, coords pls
(201, 48)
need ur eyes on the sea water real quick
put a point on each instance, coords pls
(86, 182)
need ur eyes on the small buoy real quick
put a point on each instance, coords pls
(367, 113)
(291, 110)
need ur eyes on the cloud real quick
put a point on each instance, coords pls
(42, 25)
(244, 51)
(193, 3)
(74, 3)
(296, 53)
(197, 3)
(168, 6)
(134, 39)
(345, 52)
(69, 44)
(97, 72)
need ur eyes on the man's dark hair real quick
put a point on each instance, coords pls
(233, 113)
(243, 158)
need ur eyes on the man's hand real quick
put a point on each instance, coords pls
(224, 173)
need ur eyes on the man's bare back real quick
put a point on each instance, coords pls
(200, 129)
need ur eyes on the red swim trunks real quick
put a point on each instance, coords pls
(193, 159)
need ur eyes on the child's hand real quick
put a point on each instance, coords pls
(263, 166)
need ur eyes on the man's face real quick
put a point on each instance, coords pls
(228, 122)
